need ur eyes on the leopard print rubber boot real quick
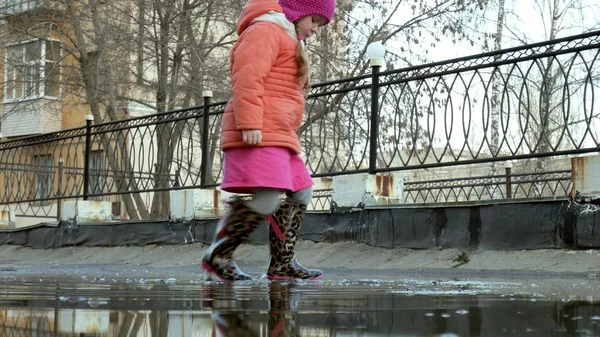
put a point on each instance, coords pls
(233, 229)
(283, 233)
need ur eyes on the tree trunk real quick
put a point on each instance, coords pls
(162, 166)
(140, 41)
(548, 83)
(496, 108)
(93, 100)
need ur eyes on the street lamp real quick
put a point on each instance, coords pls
(86, 155)
(375, 52)
(207, 95)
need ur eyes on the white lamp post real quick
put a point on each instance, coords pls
(86, 156)
(375, 52)
(207, 94)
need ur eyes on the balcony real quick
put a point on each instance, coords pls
(31, 118)
(32, 90)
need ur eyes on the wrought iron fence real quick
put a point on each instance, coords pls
(321, 201)
(552, 184)
(534, 101)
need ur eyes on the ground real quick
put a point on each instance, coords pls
(366, 290)
(346, 261)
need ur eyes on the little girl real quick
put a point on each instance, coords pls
(269, 74)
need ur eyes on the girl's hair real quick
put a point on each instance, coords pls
(303, 65)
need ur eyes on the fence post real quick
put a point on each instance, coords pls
(86, 158)
(375, 52)
(59, 194)
(207, 94)
(508, 173)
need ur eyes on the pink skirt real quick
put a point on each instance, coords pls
(247, 168)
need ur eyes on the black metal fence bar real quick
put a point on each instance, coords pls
(555, 184)
(529, 102)
(534, 101)
(30, 172)
(566, 45)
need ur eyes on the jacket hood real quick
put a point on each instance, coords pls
(254, 9)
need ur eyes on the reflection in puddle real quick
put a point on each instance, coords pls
(283, 309)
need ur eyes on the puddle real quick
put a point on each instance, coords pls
(356, 308)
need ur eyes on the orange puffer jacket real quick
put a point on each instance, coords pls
(266, 93)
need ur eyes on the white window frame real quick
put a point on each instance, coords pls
(41, 63)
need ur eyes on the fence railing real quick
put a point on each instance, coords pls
(534, 101)
(554, 184)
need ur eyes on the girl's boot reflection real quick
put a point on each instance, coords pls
(227, 320)
(282, 309)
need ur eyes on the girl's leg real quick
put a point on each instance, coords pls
(303, 197)
(265, 200)
(241, 219)
(283, 235)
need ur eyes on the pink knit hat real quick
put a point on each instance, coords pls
(297, 9)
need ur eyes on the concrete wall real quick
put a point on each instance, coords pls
(508, 226)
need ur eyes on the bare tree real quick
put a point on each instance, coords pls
(158, 54)
(557, 18)
(535, 89)
(179, 43)
(337, 125)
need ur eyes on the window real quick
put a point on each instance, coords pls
(43, 172)
(32, 70)
(97, 173)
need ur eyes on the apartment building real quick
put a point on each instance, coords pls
(45, 91)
